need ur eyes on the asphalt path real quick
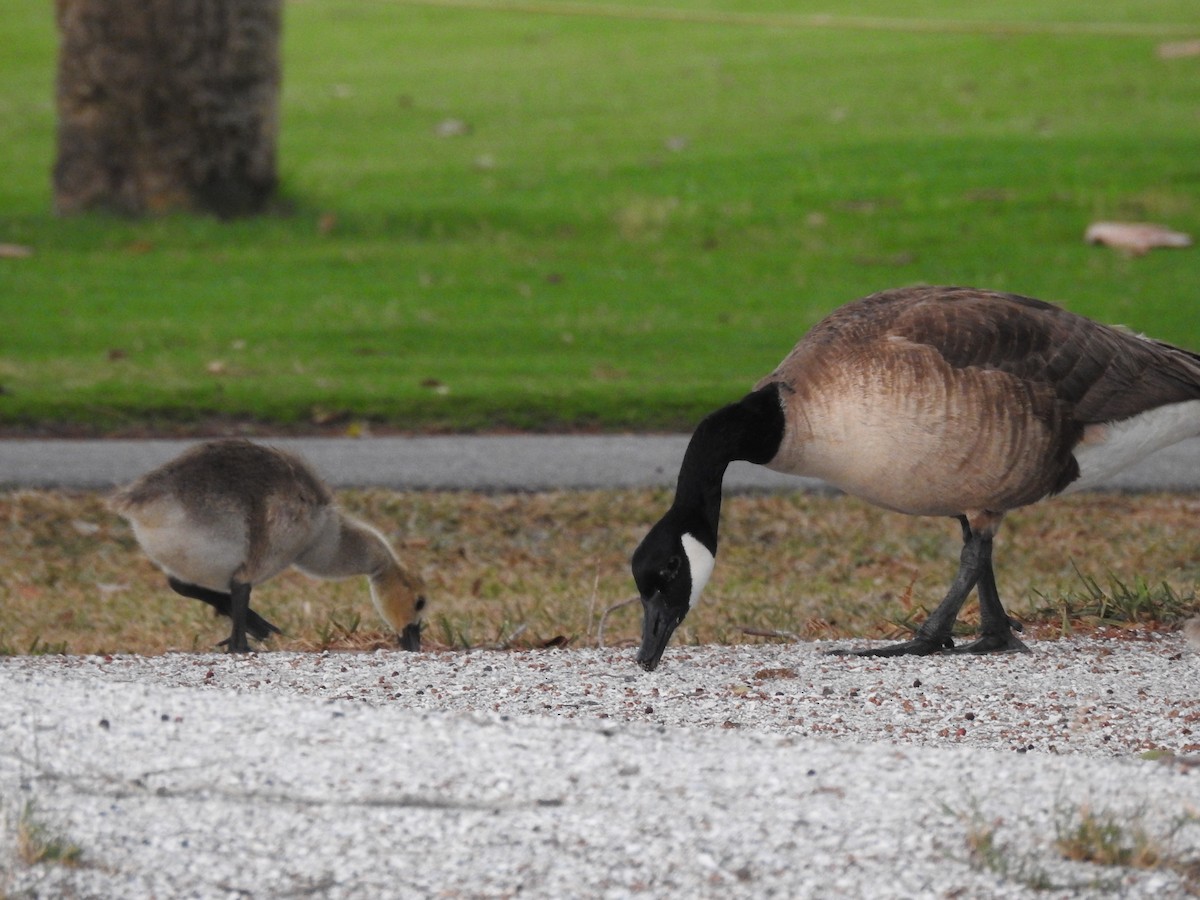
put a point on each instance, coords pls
(476, 462)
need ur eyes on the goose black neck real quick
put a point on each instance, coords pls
(751, 430)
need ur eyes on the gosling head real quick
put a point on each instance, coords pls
(399, 595)
(671, 568)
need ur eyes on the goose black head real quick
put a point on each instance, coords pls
(671, 568)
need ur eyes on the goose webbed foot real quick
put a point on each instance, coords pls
(990, 640)
(996, 628)
(1000, 641)
(229, 647)
(259, 628)
(918, 646)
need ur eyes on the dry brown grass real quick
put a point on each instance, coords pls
(526, 569)
(37, 845)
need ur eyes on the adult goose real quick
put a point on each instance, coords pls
(930, 401)
(227, 515)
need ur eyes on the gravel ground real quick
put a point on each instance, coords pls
(748, 771)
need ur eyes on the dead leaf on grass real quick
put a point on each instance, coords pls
(1178, 49)
(449, 128)
(437, 386)
(15, 251)
(1135, 237)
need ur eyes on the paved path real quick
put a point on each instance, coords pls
(488, 462)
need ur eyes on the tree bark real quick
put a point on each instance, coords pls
(167, 105)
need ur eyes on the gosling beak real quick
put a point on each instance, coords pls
(658, 624)
(410, 637)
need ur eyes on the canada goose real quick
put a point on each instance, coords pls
(931, 401)
(227, 515)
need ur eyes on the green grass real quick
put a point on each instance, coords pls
(647, 212)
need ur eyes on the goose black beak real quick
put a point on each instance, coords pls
(410, 637)
(658, 624)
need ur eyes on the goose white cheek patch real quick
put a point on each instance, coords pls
(700, 565)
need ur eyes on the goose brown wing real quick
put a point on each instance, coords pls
(1102, 373)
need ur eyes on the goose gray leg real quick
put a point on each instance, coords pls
(239, 604)
(995, 626)
(936, 633)
(259, 627)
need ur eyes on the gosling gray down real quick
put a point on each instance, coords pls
(227, 515)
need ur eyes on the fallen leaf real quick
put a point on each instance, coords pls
(1178, 49)
(448, 128)
(15, 251)
(438, 387)
(1135, 237)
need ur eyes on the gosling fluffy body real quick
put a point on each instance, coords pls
(228, 515)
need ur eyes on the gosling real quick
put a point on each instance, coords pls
(227, 515)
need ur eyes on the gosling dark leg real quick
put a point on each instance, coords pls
(256, 625)
(936, 632)
(239, 604)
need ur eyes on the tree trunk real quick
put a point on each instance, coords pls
(167, 105)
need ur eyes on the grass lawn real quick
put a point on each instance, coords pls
(647, 205)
